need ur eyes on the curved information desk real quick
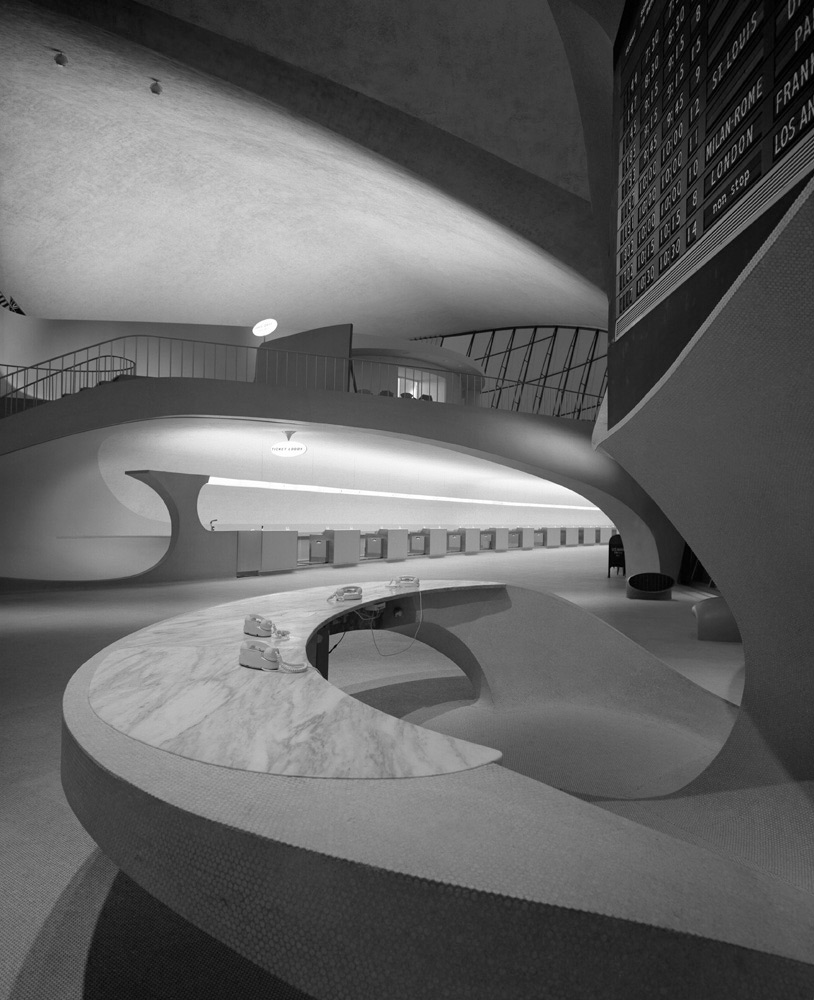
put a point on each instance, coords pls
(356, 855)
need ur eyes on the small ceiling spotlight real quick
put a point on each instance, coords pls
(60, 58)
(264, 327)
(155, 86)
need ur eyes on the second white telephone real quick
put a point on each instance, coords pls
(258, 656)
(346, 594)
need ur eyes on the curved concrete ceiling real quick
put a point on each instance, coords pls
(487, 72)
(209, 204)
(336, 457)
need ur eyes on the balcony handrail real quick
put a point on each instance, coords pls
(54, 372)
(152, 355)
(206, 344)
(155, 336)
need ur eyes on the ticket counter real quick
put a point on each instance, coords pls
(417, 543)
(437, 542)
(343, 546)
(395, 544)
(371, 546)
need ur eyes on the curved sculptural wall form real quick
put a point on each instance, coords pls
(557, 450)
(724, 445)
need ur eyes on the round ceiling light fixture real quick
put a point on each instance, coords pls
(289, 449)
(60, 58)
(264, 327)
(155, 86)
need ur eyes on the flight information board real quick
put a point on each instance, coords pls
(715, 121)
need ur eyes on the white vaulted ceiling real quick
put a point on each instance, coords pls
(211, 204)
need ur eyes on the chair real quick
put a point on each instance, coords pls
(407, 395)
(716, 623)
(426, 396)
(385, 392)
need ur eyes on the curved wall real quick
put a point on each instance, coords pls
(724, 445)
(59, 520)
(547, 448)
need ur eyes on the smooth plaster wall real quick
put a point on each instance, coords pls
(59, 521)
(29, 340)
(724, 444)
(331, 341)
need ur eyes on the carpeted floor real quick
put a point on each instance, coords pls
(72, 925)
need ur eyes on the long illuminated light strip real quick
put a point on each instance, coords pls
(260, 484)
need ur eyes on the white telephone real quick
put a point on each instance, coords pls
(258, 655)
(405, 581)
(257, 625)
(264, 627)
(346, 594)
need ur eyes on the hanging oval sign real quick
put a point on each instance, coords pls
(288, 450)
(264, 327)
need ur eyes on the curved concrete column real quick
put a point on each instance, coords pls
(193, 553)
(723, 444)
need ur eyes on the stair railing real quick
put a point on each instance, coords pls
(146, 356)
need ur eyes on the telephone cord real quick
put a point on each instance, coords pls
(398, 652)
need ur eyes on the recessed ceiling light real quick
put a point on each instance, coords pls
(262, 484)
(264, 327)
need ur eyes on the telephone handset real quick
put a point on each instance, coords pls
(346, 594)
(257, 625)
(405, 581)
(264, 627)
(258, 655)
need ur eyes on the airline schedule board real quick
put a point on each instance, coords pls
(715, 121)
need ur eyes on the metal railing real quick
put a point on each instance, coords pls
(21, 388)
(144, 356)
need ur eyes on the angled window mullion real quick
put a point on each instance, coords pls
(565, 371)
(539, 396)
(586, 371)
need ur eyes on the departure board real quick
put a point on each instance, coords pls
(715, 122)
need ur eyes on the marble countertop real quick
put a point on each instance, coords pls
(177, 686)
